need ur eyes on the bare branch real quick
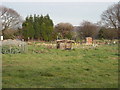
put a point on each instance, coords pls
(9, 18)
(111, 17)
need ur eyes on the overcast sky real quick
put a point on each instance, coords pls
(71, 12)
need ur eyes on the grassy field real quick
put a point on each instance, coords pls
(53, 68)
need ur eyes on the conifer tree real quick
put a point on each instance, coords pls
(38, 27)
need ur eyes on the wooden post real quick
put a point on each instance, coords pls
(1, 38)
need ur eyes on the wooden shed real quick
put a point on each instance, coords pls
(89, 40)
(64, 44)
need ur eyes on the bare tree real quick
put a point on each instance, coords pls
(64, 30)
(88, 29)
(9, 18)
(111, 17)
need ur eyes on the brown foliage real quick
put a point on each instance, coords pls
(88, 29)
(111, 33)
(64, 29)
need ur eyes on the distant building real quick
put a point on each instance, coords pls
(64, 44)
(89, 40)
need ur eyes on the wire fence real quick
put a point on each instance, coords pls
(13, 46)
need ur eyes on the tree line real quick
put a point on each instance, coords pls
(39, 27)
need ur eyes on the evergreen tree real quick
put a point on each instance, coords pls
(25, 29)
(101, 33)
(31, 28)
(49, 27)
(38, 27)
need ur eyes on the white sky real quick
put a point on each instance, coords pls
(67, 11)
(59, 0)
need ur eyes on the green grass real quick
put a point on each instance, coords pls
(52, 68)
